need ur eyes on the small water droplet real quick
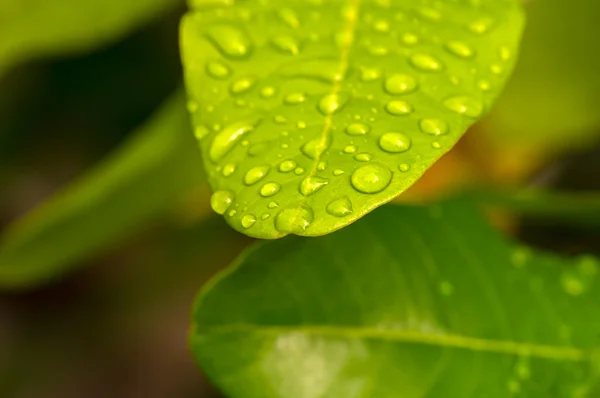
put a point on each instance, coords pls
(460, 49)
(269, 189)
(371, 178)
(363, 157)
(286, 166)
(242, 85)
(464, 105)
(410, 39)
(370, 74)
(322, 165)
(572, 283)
(226, 139)
(218, 70)
(522, 369)
(496, 69)
(228, 169)
(294, 219)
(350, 149)
(265, 216)
(514, 387)
(268, 92)
(220, 201)
(256, 174)
(192, 106)
(232, 212)
(404, 167)
(398, 108)
(436, 145)
(504, 53)
(316, 147)
(429, 14)
(231, 41)
(400, 84)
(433, 126)
(484, 85)
(340, 207)
(446, 288)
(286, 44)
(295, 98)
(332, 103)
(200, 132)
(273, 205)
(520, 256)
(381, 25)
(481, 26)
(280, 119)
(395, 142)
(298, 171)
(310, 185)
(248, 220)
(338, 172)
(426, 62)
(357, 129)
(289, 17)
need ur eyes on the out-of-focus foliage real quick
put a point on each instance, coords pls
(141, 180)
(35, 28)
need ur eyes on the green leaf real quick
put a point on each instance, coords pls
(36, 28)
(142, 179)
(313, 113)
(408, 302)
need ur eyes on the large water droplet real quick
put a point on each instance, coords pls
(316, 147)
(426, 62)
(221, 200)
(248, 220)
(400, 84)
(286, 44)
(226, 139)
(371, 178)
(294, 219)
(231, 41)
(357, 129)
(242, 85)
(398, 108)
(464, 105)
(460, 49)
(433, 126)
(395, 142)
(340, 207)
(332, 103)
(310, 185)
(218, 70)
(286, 166)
(269, 189)
(256, 174)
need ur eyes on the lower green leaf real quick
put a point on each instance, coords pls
(141, 180)
(408, 302)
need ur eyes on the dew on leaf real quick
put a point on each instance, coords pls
(436, 145)
(350, 149)
(446, 288)
(267, 92)
(363, 157)
(370, 74)
(410, 39)
(315, 147)
(226, 139)
(460, 49)
(256, 174)
(357, 129)
(231, 41)
(229, 169)
(295, 98)
(400, 84)
(322, 165)
(426, 62)
(338, 172)
(371, 178)
(294, 219)
(310, 185)
(220, 201)
(395, 142)
(218, 70)
(331, 103)
(481, 25)
(340, 207)
(200, 132)
(398, 108)
(404, 167)
(286, 44)
(269, 189)
(433, 126)
(289, 17)
(298, 171)
(242, 85)
(464, 105)
(286, 166)
(248, 220)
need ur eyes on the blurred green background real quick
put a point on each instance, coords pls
(116, 326)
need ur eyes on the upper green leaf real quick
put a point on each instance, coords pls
(409, 302)
(142, 179)
(313, 113)
(41, 27)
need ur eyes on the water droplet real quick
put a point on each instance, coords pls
(248, 220)
(398, 108)
(242, 85)
(316, 147)
(286, 166)
(410, 39)
(484, 85)
(446, 288)
(232, 212)
(273, 205)
(460, 49)
(436, 145)
(294, 219)
(404, 167)
(268, 92)
(192, 106)
(514, 387)
(370, 74)
(363, 157)
(280, 119)
(218, 70)
(226, 139)
(520, 256)
(464, 105)
(496, 69)
(350, 149)
(340, 207)
(376, 49)
(504, 53)
(231, 41)
(310, 185)
(381, 25)
(289, 17)
(322, 165)
(221, 200)
(429, 14)
(522, 369)
(332, 103)
(269, 189)
(265, 216)
(433, 126)
(371, 178)
(295, 98)
(228, 169)
(481, 26)
(400, 84)
(572, 283)
(338, 172)
(395, 142)
(256, 174)
(298, 171)
(426, 62)
(357, 129)
(286, 44)
(200, 132)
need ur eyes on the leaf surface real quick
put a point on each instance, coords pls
(408, 302)
(33, 28)
(142, 179)
(313, 113)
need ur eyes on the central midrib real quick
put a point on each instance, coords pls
(349, 33)
(441, 340)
